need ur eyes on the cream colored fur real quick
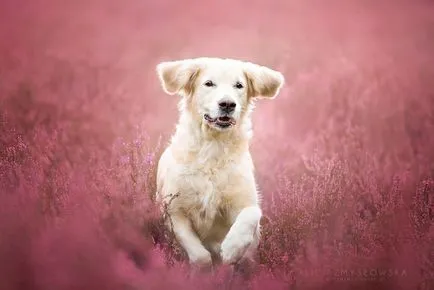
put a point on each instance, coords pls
(206, 175)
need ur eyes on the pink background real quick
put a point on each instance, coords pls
(344, 155)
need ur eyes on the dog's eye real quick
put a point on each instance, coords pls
(209, 84)
(239, 85)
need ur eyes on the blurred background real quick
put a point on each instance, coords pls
(344, 155)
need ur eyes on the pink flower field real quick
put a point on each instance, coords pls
(344, 155)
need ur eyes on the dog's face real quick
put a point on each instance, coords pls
(218, 91)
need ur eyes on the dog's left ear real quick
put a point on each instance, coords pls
(177, 77)
(262, 81)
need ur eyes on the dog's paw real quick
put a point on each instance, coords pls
(234, 247)
(201, 259)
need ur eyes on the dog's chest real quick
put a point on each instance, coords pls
(206, 186)
(209, 181)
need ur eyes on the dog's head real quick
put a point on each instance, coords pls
(218, 91)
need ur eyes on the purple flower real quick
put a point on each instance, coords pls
(124, 159)
(149, 158)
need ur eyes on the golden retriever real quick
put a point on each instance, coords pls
(205, 177)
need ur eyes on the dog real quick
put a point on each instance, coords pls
(205, 177)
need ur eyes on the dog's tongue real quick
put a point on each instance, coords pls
(224, 119)
(221, 120)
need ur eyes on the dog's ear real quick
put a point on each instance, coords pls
(177, 77)
(262, 81)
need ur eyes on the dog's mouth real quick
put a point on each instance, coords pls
(221, 122)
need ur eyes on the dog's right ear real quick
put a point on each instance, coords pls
(177, 77)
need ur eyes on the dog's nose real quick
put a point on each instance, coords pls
(227, 105)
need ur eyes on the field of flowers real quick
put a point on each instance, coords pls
(344, 156)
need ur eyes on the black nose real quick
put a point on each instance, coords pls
(227, 106)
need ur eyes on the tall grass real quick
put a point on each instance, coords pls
(344, 156)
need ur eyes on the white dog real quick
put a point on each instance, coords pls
(205, 177)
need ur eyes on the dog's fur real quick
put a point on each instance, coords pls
(205, 176)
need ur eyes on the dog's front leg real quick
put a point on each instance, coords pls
(188, 239)
(243, 233)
